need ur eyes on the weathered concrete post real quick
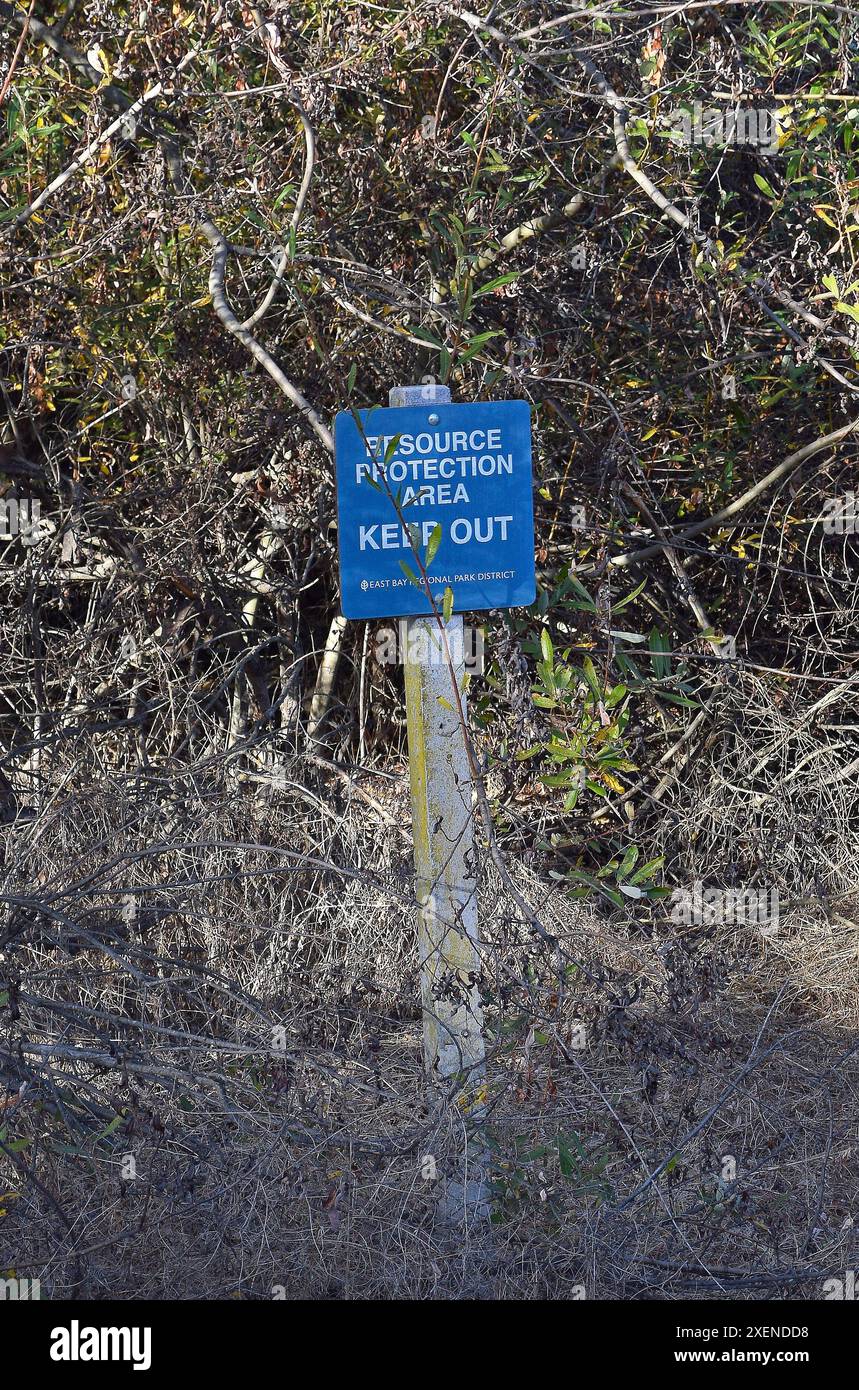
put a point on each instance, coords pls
(445, 863)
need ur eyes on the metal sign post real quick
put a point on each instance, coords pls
(461, 475)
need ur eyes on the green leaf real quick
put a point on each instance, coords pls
(565, 1159)
(658, 646)
(427, 337)
(630, 597)
(16, 1146)
(765, 187)
(628, 863)
(477, 342)
(679, 700)
(648, 870)
(433, 544)
(110, 1128)
(497, 283)
(612, 893)
(447, 604)
(591, 678)
(576, 585)
(546, 646)
(410, 574)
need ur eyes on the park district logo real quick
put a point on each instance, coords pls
(76, 1343)
(452, 482)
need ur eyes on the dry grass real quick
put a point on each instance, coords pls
(149, 973)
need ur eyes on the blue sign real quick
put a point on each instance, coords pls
(454, 480)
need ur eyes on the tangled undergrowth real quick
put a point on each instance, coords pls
(210, 1034)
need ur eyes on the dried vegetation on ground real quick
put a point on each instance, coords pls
(209, 1028)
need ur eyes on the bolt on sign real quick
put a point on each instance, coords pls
(452, 482)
